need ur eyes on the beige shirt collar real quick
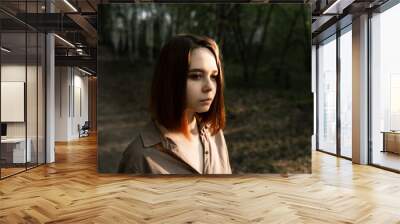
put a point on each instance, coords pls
(150, 135)
(154, 133)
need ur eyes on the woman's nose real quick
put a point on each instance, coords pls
(207, 87)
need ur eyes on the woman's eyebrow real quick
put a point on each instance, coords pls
(196, 70)
(201, 70)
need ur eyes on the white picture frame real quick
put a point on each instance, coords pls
(12, 101)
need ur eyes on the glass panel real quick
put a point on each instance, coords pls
(385, 87)
(327, 96)
(346, 94)
(41, 98)
(23, 84)
(31, 84)
(13, 87)
(31, 100)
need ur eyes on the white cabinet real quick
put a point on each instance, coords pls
(18, 149)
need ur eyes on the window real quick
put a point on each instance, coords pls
(327, 95)
(385, 88)
(346, 92)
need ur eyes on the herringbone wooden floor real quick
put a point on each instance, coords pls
(71, 191)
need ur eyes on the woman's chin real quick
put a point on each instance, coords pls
(203, 109)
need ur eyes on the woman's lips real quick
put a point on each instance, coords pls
(206, 101)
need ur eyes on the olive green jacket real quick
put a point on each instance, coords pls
(153, 153)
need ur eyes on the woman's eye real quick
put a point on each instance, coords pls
(195, 76)
(214, 76)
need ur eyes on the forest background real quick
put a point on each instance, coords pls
(266, 50)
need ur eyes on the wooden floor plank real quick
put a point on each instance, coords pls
(71, 191)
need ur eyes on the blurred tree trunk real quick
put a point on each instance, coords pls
(173, 24)
(130, 19)
(241, 44)
(164, 25)
(307, 43)
(245, 46)
(150, 33)
(222, 14)
(177, 21)
(260, 47)
(119, 31)
(158, 25)
(250, 38)
(282, 65)
(136, 33)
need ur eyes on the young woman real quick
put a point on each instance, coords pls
(188, 114)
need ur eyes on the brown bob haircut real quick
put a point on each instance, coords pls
(168, 90)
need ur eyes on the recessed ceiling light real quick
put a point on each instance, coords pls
(337, 7)
(5, 49)
(70, 5)
(64, 40)
(84, 71)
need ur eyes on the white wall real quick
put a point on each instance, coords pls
(16, 72)
(62, 80)
(80, 110)
(71, 102)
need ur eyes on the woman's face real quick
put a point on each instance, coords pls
(201, 84)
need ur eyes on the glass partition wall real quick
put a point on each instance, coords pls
(327, 95)
(385, 89)
(334, 84)
(22, 99)
(345, 91)
(334, 93)
(13, 89)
